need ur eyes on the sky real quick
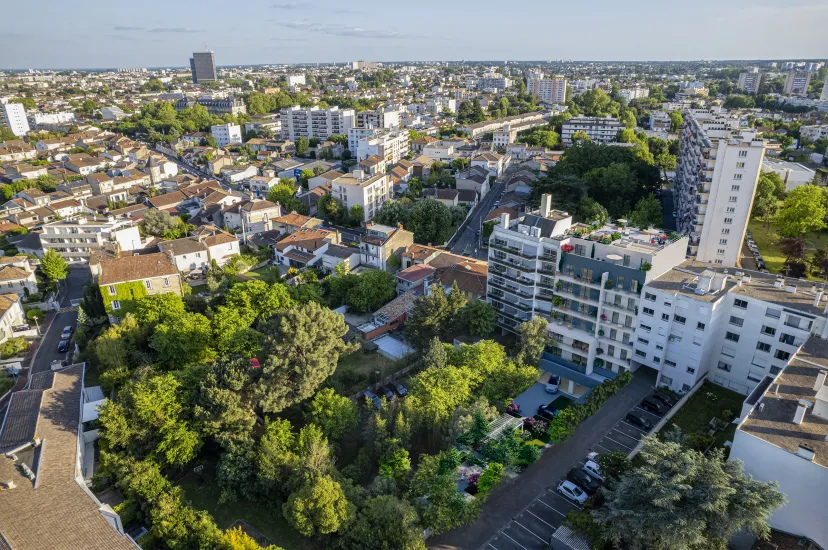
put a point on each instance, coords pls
(155, 33)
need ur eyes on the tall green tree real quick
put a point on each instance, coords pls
(533, 338)
(183, 339)
(647, 212)
(302, 145)
(770, 189)
(384, 523)
(802, 211)
(440, 505)
(373, 289)
(318, 507)
(53, 266)
(222, 404)
(431, 222)
(335, 414)
(479, 318)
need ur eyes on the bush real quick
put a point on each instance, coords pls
(13, 347)
(529, 454)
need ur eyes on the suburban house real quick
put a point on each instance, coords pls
(305, 247)
(495, 163)
(189, 254)
(168, 202)
(251, 217)
(220, 244)
(324, 178)
(416, 276)
(292, 222)
(381, 242)
(124, 280)
(337, 254)
(473, 179)
(262, 184)
(11, 315)
(17, 275)
(449, 197)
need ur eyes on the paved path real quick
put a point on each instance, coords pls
(466, 243)
(512, 497)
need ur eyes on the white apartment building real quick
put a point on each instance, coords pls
(782, 436)
(586, 283)
(824, 95)
(796, 83)
(314, 122)
(295, 80)
(226, 133)
(492, 82)
(503, 137)
(660, 121)
(634, 92)
(356, 189)
(735, 327)
(77, 238)
(749, 81)
(716, 174)
(389, 145)
(549, 90)
(13, 116)
(599, 129)
(387, 117)
(814, 132)
(792, 173)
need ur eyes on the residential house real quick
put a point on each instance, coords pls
(358, 189)
(262, 184)
(380, 243)
(292, 222)
(168, 202)
(324, 178)
(221, 246)
(449, 197)
(305, 247)
(76, 239)
(11, 315)
(126, 279)
(415, 276)
(17, 275)
(495, 163)
(189, 254)
(474, 179)
(336, 254)
(84, 164)
(251, 216)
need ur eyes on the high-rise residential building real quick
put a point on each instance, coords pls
(315, 122)
(389, 145)
(295, 80)
(547, 90)
(384, 117)
(367, 192)
(824, 95)
(599, 129)
(13, 116)
(634, 92)
(749, 81)
(203, 67)
(226, 133)
(587, 283)
(716, 173)
(796, 83)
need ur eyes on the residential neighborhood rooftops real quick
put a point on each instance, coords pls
(182, 246)
(135, 268)
(415, 273)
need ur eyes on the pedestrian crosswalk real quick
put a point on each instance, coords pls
(68, 308)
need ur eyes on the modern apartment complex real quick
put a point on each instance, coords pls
(586, 283)
(13, 116)
(314, 122)
(203, 67)
(796, 83)
(716, 174)
(660, 121)
(634, 92)
(389, 145)
(749, 81)
(226, 133)
(77, 238)
(384, 117)
(229, 106)
(357, 189)
(824, 95)
(735, 327)
(599, 129)
(814, 132)
(551, 90)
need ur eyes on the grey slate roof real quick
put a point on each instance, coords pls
(20, 422)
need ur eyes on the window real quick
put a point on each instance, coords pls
(166, 281)
(659, 347)
(667, 304)
(667, 380)
(740, 165)
(725, 231)
(116, 304)
(763, 346)
(773, 313)
(718, 261)
(742, 153)
(740, 303)
(679, 319)
(775, 370)
(734, 187)
(643, 341)
(736, 321)
(732, 199)
(768, 330)
(724, 366)
(640, 353)
(691, 370)
(732, 336)
(727, 351)
(787, 339)
(730, 210)
(650, 297)
(754, 377)
(656, 360)
(644, 327)
(112, 291)
(148, 284)
(737, 177)
(700, 326)
(648, 311)
(665, 317)
(728, 220)
(720, 251)
(669, 363)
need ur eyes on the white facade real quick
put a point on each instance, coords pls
(13, 116)
(824, 95)
(599, 129)
(716, 174)
(391, 146)
(634, 92)
(317, 123)
(749, 81)
(792, 173)
(796, 83)
(76, 239)
(552, 90)
(226, 133)
(380, 118)
(355, 189)
(814, 132)
(295, 80)
(660, 121)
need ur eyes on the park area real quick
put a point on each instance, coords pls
(767, 239)
(694, 418)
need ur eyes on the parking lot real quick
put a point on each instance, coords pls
(532, 528)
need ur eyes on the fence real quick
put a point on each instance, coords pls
(391, 377)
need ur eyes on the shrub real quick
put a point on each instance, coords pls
(529, 454)
(13, 347)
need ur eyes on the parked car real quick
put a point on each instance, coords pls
(593, 470)
(583, 480)
(675, 214)
(572, 491)
(652, 406)
(553, 384)
(67, 333)
(401, 390)
(387, 392)
(63, 346)
(547, 412)
(665, 399)
(20, 328)
(637, 419)
(377, 402)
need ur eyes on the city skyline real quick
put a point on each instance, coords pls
(294, 32)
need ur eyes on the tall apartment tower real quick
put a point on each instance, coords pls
(315, 122)
(716, 174)
(749, 81)
(203, 67)
(796, 83)
(824, 95)
(13, 116)
(547, 90)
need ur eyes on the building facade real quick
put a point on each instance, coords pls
(314, 122)
(203, 67)
(226, 134)
(389, 145)
(367, 192)
(599, 129)
(13, 116)
(749, 81)
(796, 83)
(547, 90)
(76, 239)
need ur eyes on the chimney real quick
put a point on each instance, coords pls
(818, 298)
(504, 220)
(805, 452)
(778, 283)
(820, 380)
(801, 407)
(791, 289)
(546, 205)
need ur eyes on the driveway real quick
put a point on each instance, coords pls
(467, 243)
(513, 498)
(534, 397)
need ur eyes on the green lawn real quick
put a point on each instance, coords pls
(199, 288)
(357, 370)
(266, 519)
(268, 274)
(767, 241)
(709, 401)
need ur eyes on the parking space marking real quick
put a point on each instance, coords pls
(554, 510)
(513, 540)
(619, 443)
(647, 412)
(599, 445)
(539, 519)
(532, 532)
(633, 427)
(492, 545)
(625, 435)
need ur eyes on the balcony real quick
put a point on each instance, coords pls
(510, 289)
(510, 262)
(504, 247)
(577, 279)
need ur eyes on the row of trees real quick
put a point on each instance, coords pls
(431, 221)
(161, 122)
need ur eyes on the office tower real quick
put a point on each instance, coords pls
(203, 67)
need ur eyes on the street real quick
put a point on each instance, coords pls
(667, 220)
(467, 242)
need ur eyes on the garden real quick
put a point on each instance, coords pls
(706, 418)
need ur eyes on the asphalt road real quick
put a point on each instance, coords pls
(667, 219)
(186, 167)
(513, 497)
(467, 242)
(67, 315)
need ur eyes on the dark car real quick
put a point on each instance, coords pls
(582, 480)
(63, 346)
(547, 412)
(401, 390)
(652, 406)
(665, 399)
(387, 392)
(375, 400)
(637, 419)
